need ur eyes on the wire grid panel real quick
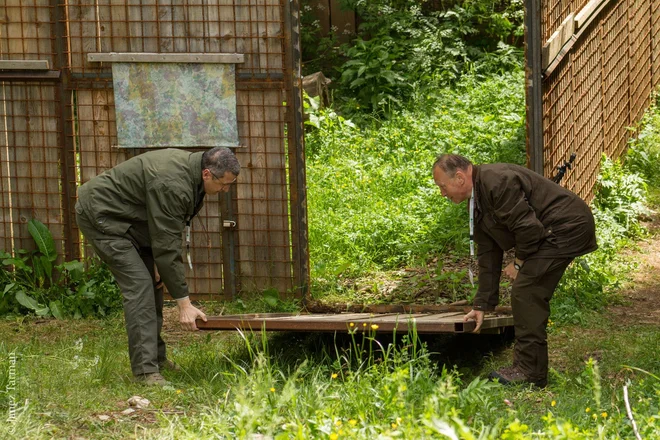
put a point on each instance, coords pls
(655, 41)
(255, 28)
(639, 14)
(616, 105)
(558, 119)
(600, 88)
(554, 12)
(250, 27)
(587, 89)
(26, 30)
(30, 164)
(264, 255)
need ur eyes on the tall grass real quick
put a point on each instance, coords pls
(372, 200)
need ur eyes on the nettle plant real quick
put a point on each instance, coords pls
(32, 282)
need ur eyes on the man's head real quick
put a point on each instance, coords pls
(220, 168)
(453, 175)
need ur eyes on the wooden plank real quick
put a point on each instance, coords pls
(582, 17)
(274, 34)
(22, 195)
(557, 40)
(24, 65)
(261, 273)
(317, 307)
(135, 28)
(321, 11)
(115, 27)
(277, 192)
(179, 27)
(212, 27)
(227, 26)
(195, 26)
(325, 322)
(14, 28)
(201, 58)
(244, 219)
(7, 151)
(342, 20)
(85, 141)
(150, 40)
(165, 27)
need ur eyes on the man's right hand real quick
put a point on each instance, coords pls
(188, 314)
(475, 315)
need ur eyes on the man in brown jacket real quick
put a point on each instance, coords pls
(546, 224)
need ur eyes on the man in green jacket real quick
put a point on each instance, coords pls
(133, 216)
(546, 224)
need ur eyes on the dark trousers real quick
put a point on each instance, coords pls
(133, 268)
(530, 300)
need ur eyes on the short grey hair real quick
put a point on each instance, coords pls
(450, 163)
(219, 160)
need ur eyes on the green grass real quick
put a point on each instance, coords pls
(371, 197)
(68, 373)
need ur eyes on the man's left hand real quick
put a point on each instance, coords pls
(188, 314)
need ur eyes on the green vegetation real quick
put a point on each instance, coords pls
(353, 386)
(31, 282)
(413, 83)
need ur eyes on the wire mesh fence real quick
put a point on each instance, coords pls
(601, 86)
(59, 126)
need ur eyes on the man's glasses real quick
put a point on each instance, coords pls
(217, 178)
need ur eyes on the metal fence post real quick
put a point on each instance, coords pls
(533, 85)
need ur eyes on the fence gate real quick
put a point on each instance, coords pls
(58, 127)
(591, 67)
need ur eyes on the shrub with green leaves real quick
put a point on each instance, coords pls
(33, 283)
(402, 47)
(594, 280)
(371, 197)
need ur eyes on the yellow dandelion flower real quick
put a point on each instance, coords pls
(352, 422)
(603, 415)
(334, 436)
(352, 324)
(374, 326)
(334, 375)
(179, 391)
(272, 390)
(553, 403)
(364, 324)
(394, 425)
(587, 410)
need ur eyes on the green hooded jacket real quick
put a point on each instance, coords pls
(156, 194)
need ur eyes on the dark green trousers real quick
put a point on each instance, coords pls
(132, 265)
(530, 300)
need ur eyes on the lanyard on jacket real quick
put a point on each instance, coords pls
(188, 244)
(471, 274)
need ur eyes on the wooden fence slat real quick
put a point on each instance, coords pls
(6, 165)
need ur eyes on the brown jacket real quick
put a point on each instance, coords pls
(518, 208)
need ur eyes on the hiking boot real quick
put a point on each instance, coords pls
(168, 365)
(513, 376)
(152, 379)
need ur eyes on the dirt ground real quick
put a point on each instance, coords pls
(642, 297)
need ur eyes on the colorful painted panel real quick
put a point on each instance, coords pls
(175, 105)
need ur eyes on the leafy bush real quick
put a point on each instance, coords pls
(593, 281)
(371, 197)
(402, 47)
(33, 283)
(643, 155)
